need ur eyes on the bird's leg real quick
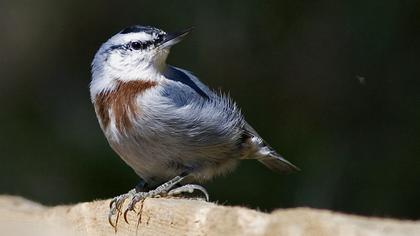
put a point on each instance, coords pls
(134, 196)
(166, 189)
(159, 191)
(142, 186)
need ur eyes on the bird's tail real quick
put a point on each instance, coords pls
(278, 164)
(264, 153)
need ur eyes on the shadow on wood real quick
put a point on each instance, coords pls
(163, 216)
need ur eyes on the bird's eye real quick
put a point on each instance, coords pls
(136, 45)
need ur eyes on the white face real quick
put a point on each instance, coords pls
(127, 56)
(135, 53)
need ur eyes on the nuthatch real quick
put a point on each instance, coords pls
(164, 122)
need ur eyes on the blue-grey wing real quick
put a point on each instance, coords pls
(196, 113)
(251, 145)
(187, 81)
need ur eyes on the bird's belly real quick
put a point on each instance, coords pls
(166, 139)
(156, 160)
(146, 160)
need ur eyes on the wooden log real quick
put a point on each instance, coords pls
(175, 216)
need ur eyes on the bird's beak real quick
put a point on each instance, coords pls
(171, 39)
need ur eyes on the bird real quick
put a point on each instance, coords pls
(166, 124)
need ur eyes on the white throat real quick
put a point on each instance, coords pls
(105, 76)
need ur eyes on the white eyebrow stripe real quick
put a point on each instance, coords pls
(140, 36)
(121, 39)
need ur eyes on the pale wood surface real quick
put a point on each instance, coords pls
(162, 216)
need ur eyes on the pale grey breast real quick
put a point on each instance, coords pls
(184, 127)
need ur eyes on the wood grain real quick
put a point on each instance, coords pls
(164, 216)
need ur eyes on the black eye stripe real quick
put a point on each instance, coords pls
(116, 47)
(137, 45)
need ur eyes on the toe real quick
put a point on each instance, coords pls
(189, 188)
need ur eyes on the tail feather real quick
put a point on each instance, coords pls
(278, 164)
(264, 153)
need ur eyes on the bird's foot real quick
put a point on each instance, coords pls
(134, 197)
(189, 188)
(115, 206)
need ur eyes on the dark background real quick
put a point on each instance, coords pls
(332, 85)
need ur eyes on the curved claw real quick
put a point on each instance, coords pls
(203, 190)
(207, 196)
(125, 216)
(112, 211)
(116, 222)
(112, 202)
(129, 208)
(189, 188)
(110, 220)
(115, 208)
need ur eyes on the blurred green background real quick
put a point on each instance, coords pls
(334, 86)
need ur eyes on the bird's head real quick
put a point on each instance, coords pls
(136, 52)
